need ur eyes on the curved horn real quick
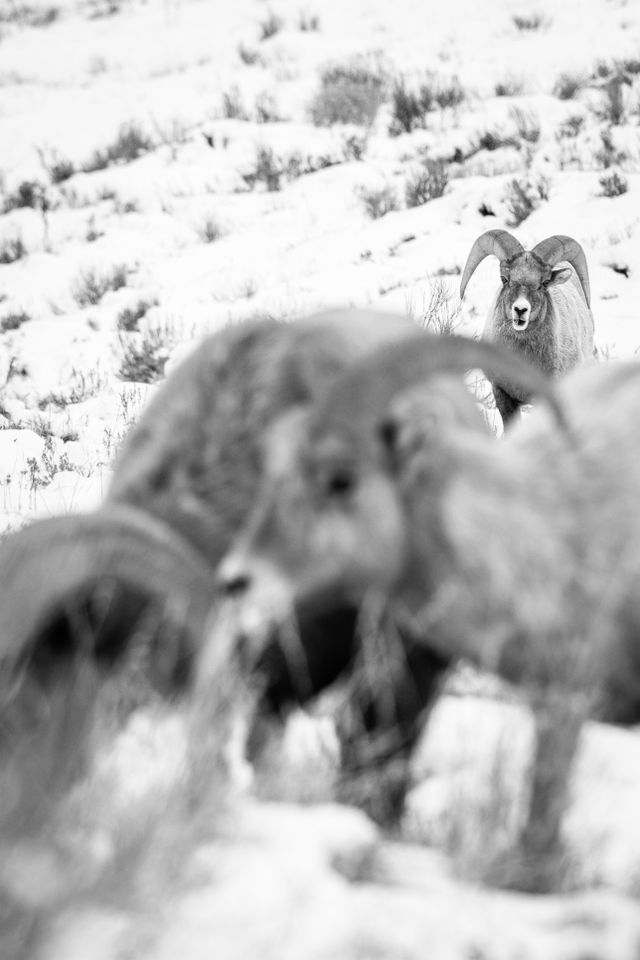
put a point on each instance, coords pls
(116, 565)
(497, 243)
(80, 596)
(360, 398)
(557, 248)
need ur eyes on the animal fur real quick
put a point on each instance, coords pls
(541, 310)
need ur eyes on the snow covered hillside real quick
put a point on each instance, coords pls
(168, 167)
(161, 175)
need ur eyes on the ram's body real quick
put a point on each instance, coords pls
(135, 581)
(521, 556)
(499, 553)
(558, 342)
(539, 545)
(542, 309)
(190, 468)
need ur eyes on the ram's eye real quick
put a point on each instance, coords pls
(340, 482)
(504, 281)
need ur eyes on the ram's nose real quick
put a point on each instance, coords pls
(520, 314)
(234, 577)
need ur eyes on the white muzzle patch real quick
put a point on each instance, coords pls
(520, 314)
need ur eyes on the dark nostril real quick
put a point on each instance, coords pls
(236, 585)
(520, 311)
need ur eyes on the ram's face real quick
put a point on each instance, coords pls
(524, 282)
(328, 525)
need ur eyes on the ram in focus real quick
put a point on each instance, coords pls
(542, 310)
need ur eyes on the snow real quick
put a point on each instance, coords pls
(271, 887)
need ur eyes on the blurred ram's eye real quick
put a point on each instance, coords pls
(340, 482)
(504, 280)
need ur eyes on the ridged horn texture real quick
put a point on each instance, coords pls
(557, 248)
(497, 243)
(360, 398)
(86, 583)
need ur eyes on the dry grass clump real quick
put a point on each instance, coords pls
(493, 139)
(428, 182)
(568, 86)
(233, 106)
(249, 55)
(58, 167)
(83, 385)
(570, 127)
(613, 108)
(12, 248)
(90, 285)
(28, 14)
(409, 107)
(270, 26)
(378, 201)
(130, 142)
(609, 155)
(28, 193)
(613, 184)
(441, 313)
(129, 318)
(273, 170)
(530, 22)
(308, 22)
(144, 356)
(210, 229)
(525, 195)
(266, 109)
(527, 124)
(13, 320)
(509, 87)
(349, 92)
(269, 170)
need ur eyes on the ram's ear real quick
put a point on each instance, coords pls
(559, 275)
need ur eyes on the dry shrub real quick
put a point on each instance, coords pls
(379, 201)
(525, 195)
(350, 92)
(426, 183)
(90, 285)
(613, 184)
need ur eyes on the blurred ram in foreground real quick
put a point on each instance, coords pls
(130, 588)
(520, 556)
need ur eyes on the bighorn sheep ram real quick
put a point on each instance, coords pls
(521, 556)
(542, 309)
(140, 572)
